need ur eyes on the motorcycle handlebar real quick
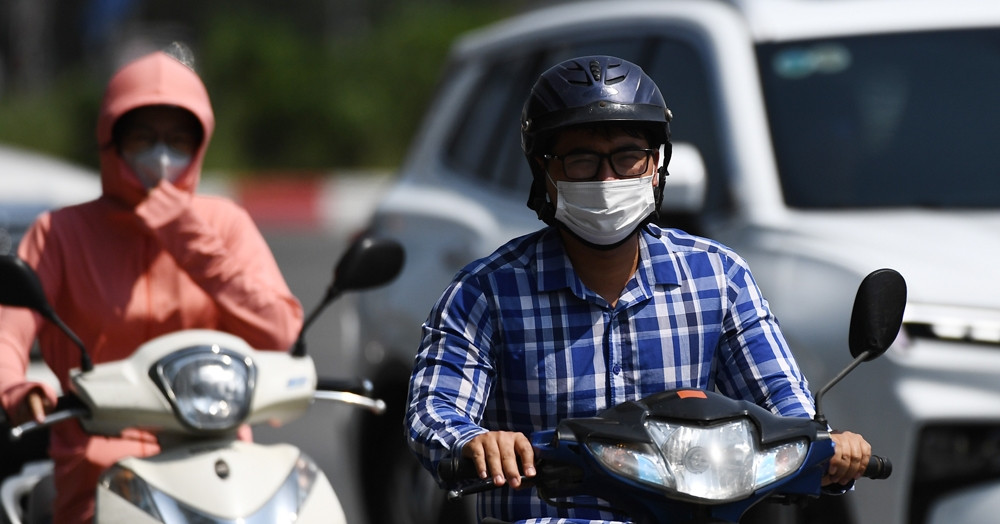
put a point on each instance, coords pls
(878, 468)
(457, 469)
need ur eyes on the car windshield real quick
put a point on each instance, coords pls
(910, 119)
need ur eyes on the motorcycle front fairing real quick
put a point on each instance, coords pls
(692, 454)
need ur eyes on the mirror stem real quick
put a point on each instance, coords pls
(820, 417)
(85, 363)
(299, 349)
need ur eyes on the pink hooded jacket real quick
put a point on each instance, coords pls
(133, 265)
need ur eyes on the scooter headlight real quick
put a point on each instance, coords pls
(209, 387)
(715, 463)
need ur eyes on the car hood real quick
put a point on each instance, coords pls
(947, 257)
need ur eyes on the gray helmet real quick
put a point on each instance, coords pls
(586, 90)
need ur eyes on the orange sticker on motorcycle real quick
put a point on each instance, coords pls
(691, 393)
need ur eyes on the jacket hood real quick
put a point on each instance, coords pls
(155, 79)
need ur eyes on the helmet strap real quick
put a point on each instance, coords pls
(658, 193)
(538, 195)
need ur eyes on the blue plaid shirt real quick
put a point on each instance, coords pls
(518, 343)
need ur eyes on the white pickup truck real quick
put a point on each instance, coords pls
(821, 139)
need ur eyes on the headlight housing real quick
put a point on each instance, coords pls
(717, 463)
(209, 387)
(285, 505)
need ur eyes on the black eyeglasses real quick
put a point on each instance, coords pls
(627, 163)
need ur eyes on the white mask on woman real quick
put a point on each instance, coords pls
(157, 163)
(604, 212)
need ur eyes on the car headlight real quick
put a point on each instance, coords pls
(209, 387)
(718, 463)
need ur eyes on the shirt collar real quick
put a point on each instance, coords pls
(656, 263)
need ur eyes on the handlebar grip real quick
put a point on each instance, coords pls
(68, 406)
(878, 468)
(457, 469)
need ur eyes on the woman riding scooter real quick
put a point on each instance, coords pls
(146, 258)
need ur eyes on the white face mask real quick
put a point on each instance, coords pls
(157, 163)
(604, 212)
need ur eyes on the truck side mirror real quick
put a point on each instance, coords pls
(687, 183)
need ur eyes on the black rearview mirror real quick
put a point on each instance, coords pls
(878, 313)
(20, 287)
(369, 262)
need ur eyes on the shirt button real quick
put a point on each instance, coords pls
(616, 369)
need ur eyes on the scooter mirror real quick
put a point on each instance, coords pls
(877, 314)
(369, 262)
(20, 287)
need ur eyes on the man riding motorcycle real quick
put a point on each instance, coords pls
(598, 308)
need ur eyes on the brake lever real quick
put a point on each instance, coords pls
(17, 432)
(481, 485)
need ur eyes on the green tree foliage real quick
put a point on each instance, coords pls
(288, 95)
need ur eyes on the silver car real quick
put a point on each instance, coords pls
(819, 139)
(33, 182)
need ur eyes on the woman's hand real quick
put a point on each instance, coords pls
(496, 454)
(34, 407)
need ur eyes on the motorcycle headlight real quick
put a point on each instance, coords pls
(715, 463)
(209, 387)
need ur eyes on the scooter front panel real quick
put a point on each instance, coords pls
(225, 482)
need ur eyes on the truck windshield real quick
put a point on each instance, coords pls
(910, 119)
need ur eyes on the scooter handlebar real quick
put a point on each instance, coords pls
(353, 391)
(68, 406)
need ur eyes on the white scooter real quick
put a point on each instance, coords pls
(194, 389)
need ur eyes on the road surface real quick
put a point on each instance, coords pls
(308, 228)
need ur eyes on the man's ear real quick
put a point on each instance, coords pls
(656, 162)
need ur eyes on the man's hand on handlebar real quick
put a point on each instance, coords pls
(850, 458)
(497, 454)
